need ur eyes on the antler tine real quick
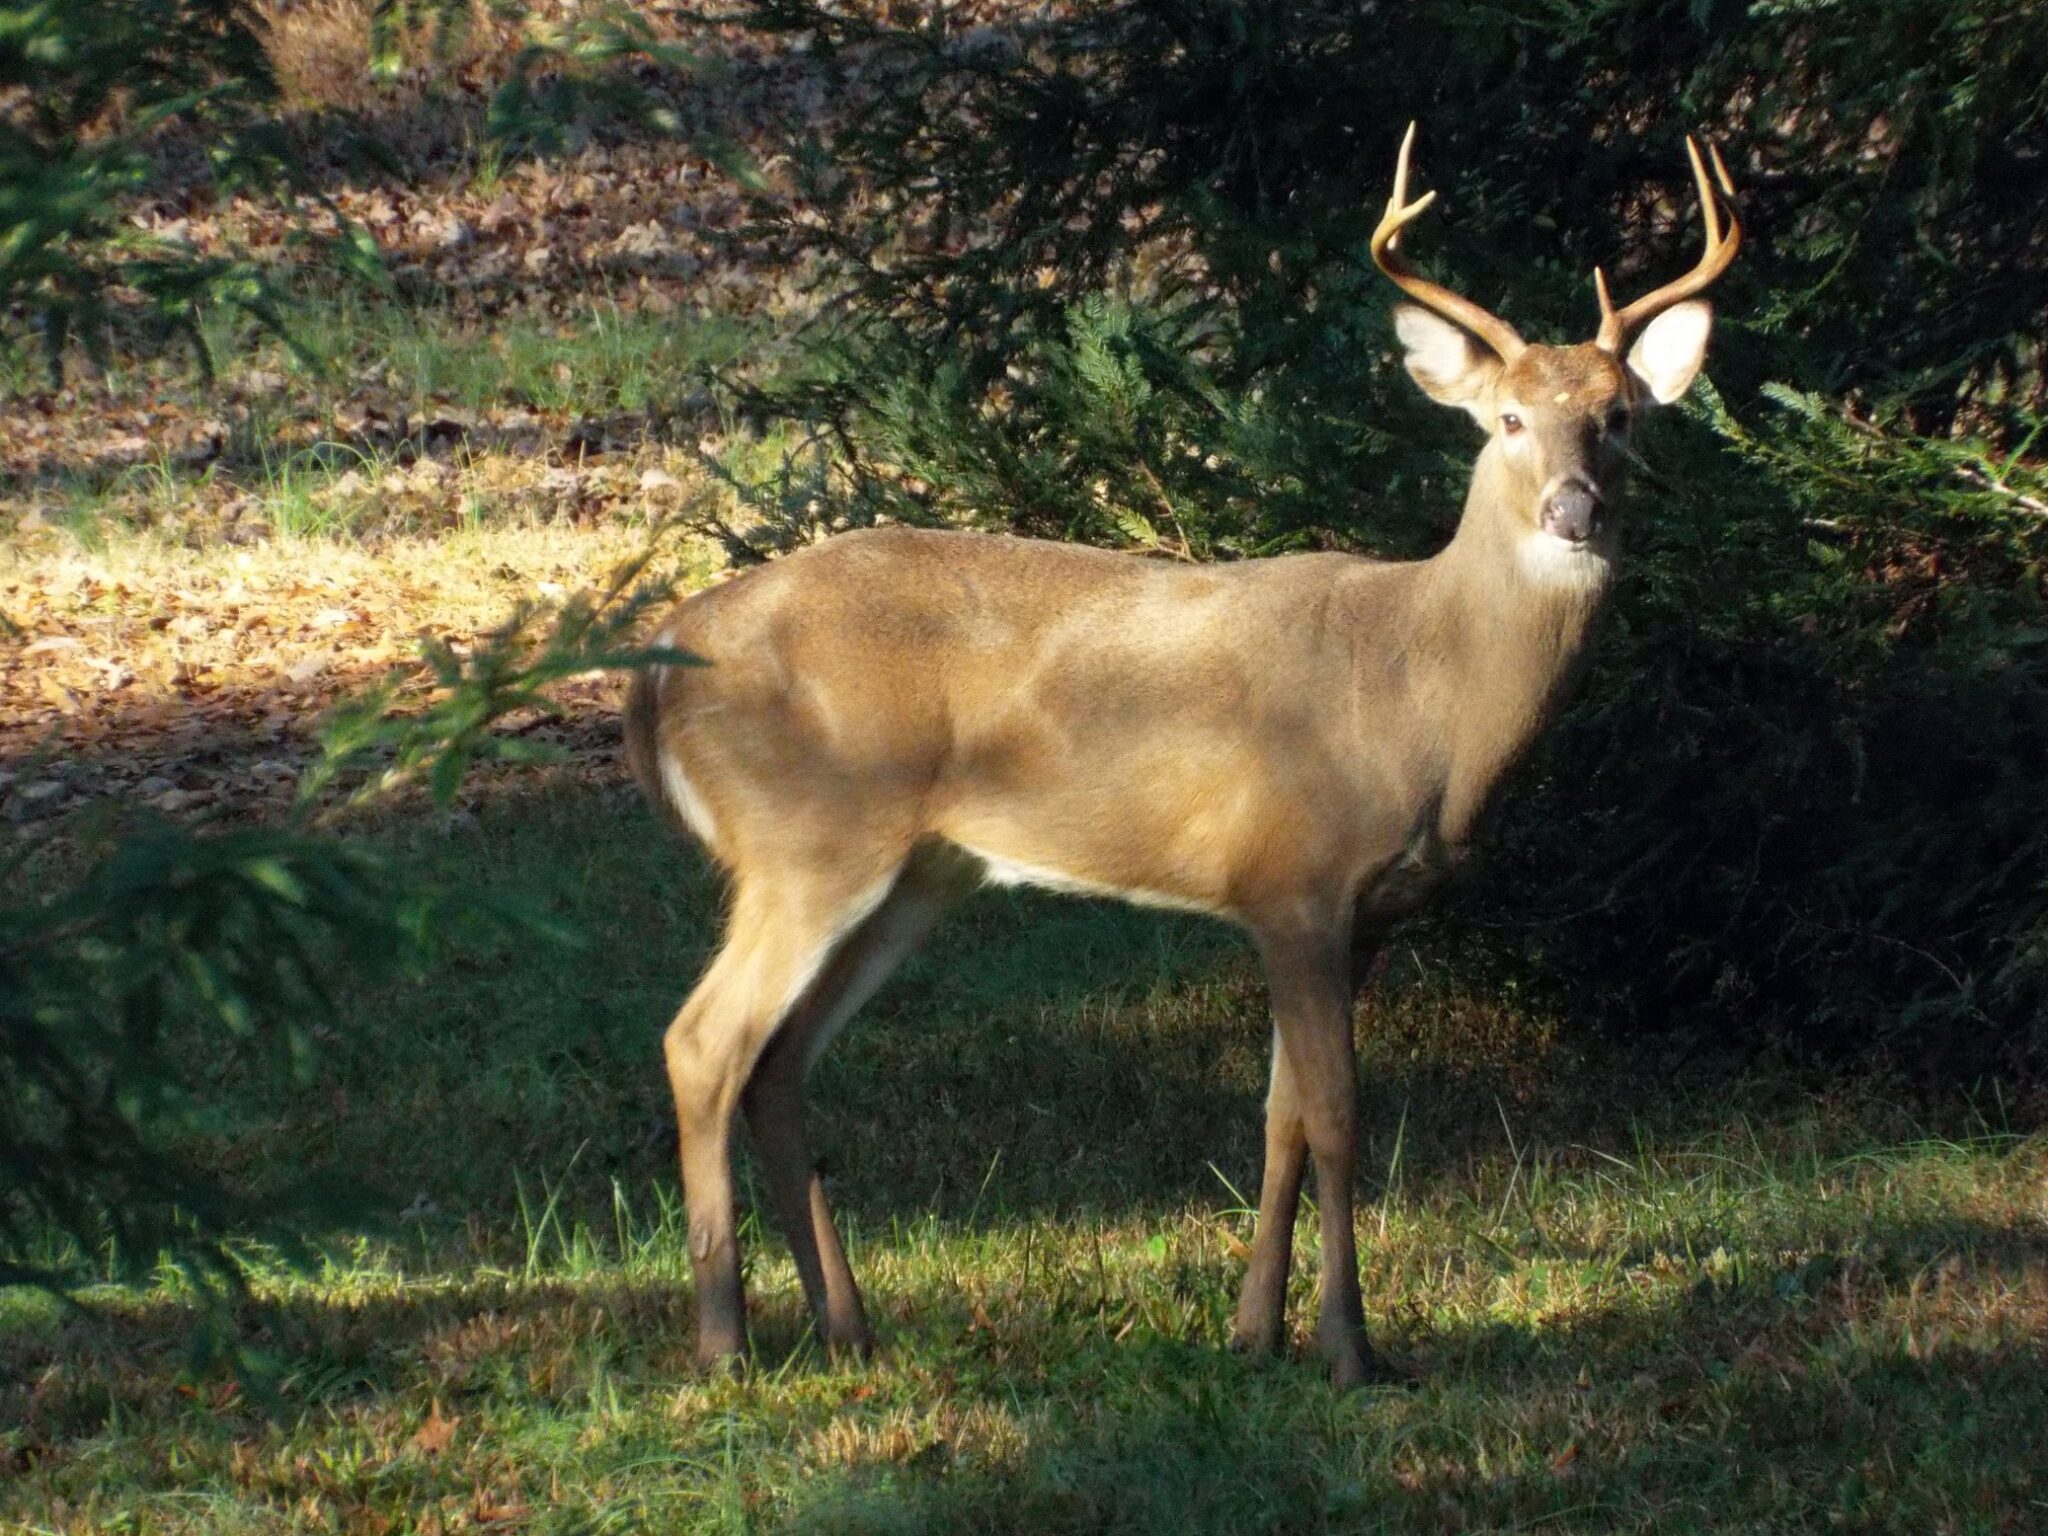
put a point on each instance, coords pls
(1721, 248)
(1489, 328)
(1720, 166)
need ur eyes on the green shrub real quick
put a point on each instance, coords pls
(87, 88)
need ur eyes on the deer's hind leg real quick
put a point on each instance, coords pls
(780, 938)
(773, 1100)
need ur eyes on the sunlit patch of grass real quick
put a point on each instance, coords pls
(84, 511)
(22, 369)
(288, 489)
(1761, 1301)
(1063, 1372)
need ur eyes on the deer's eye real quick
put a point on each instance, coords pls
(1510, 423)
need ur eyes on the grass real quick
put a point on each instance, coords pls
(601, 360)
(487, 408)
(1634, 1290)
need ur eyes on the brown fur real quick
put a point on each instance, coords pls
(642, 719)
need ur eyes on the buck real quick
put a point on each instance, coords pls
(1302, 746)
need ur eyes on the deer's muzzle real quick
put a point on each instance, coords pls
(1573, 512)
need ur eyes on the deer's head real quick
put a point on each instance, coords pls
(1558, 418)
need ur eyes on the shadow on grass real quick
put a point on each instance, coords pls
(1046, 1068)
(1733, 1408)
(1040, 1057)
(1893, 1380)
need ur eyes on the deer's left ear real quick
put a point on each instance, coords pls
(1450, 364)
(1667, 356)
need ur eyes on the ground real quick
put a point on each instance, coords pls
(1628, 1284)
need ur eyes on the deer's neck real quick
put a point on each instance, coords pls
(1509, 613)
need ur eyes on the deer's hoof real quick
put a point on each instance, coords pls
(850, 1345)
(1353, 1364)
(718, 1357)
(1254, 1341)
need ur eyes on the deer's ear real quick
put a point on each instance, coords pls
(1452, 366)
(1668, 354)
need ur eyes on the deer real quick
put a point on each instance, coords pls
(1304, 746)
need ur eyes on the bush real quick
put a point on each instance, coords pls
(1800, 791)
(87, 87)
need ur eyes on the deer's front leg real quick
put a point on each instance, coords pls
(1310, 979)
(1262, 1305)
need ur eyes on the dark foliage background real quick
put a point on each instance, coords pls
(1104, 277)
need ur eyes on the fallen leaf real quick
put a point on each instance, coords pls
(60, 698)
(436, 1434)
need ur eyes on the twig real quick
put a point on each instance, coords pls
(1991, 482)
(1976, 474)
(1166, 505)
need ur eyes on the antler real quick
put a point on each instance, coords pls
(1489, 328)
(1721, 248)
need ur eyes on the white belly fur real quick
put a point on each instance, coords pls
(1000, 871)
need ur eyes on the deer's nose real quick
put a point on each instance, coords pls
(1573, 512)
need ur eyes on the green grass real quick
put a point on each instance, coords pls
(420, 362)
(601, 360)
(1634, 1290)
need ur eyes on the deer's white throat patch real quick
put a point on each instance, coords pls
(1551, 561)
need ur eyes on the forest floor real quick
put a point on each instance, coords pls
(1628, 1286)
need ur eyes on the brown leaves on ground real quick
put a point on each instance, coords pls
(476, 247)
(653, 208)
(623, 219)
(192, 682)
(436, 1434)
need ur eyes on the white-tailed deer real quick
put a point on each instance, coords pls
(1302, 746)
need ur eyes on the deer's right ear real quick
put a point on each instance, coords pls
(1452, 366)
